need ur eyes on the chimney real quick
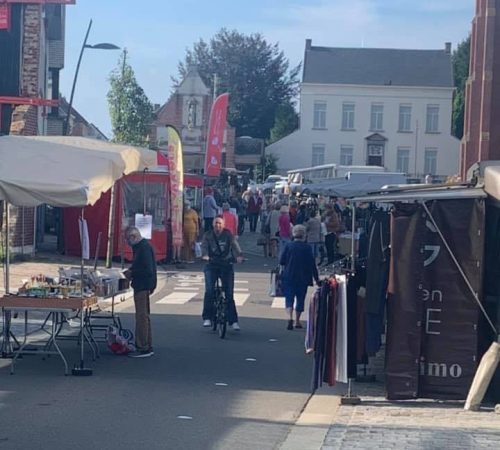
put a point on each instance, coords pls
(447, 48)
(308, 44)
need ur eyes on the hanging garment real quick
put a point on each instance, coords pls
(352, 325)
(320, 333)
(311, 322)
(377, 277)
(331, 335)
(341, 344)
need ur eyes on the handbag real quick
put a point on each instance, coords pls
(197, 250)
(276, 284)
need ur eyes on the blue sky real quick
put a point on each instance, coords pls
(158, 32)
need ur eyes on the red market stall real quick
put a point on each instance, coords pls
(137, 193)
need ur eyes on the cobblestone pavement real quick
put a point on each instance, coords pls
(418, 424)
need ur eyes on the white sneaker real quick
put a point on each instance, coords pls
(207, 323)
(236, 326)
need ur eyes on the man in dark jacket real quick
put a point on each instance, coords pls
(221, 250)
(142, 272)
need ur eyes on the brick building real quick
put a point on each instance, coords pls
(481, 139)
(31, 55)
(188, 110)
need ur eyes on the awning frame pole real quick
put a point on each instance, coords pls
(7, 248)
(353, 226)
(474, 294)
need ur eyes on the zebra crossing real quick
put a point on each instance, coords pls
(189, 287)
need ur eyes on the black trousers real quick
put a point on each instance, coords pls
(330, 243)
(226, 274)
(253, 218)
(208, 223)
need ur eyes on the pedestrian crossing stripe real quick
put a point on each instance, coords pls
(177, 298)
(240, 299)
(278, 302)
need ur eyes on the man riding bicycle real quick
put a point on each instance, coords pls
(220, 249)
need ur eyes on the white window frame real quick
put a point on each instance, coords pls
(377, 117)
(403, 160)
(319, 115)
(432, 119)
(430, 160)
(346, 155)
(404, 124)
(318, 155)
(348, 111)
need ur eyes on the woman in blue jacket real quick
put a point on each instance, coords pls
(299, 272)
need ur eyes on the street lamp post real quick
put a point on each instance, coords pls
(100, 46)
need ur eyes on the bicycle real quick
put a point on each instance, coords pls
(219, 321)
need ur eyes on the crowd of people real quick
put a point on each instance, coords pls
(271, 216)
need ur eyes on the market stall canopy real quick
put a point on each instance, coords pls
(413, 194)
(341, 187)
(64, 170)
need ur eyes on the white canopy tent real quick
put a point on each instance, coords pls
(64, 170)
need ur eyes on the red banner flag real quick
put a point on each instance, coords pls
(215, 138)
(4, 17)
(176, 173)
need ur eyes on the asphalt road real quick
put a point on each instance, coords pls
(197, 392)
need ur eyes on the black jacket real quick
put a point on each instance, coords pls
(220, 249)
(143, 268)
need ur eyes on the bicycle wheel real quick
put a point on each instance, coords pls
(215, 315)
(221, 320)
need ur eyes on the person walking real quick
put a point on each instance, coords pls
(221, 250)
(210, 209)
(299, 271)
(313, 229)
(302, 214)
(273, 227)
(333, 226)
(142, 273)
(253, 210)
(284, 227)
(230, 219)
(190, 231)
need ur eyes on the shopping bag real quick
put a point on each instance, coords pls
(118, 341)
(197, 249)
(272, 285)
(276, 284)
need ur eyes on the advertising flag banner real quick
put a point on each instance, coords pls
(432, 318)
(4, 17)
(176, 171)
(217, 125)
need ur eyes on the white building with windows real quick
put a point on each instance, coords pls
(362, 106)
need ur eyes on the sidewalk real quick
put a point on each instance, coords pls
(326, 424)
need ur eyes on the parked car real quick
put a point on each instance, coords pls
(281, 186)
(270, 183)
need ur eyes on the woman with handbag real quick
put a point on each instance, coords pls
(298, 273)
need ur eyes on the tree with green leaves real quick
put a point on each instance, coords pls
(130, 109)
(460, 61)
(286, 121)
(255, 73)
(270, 163)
